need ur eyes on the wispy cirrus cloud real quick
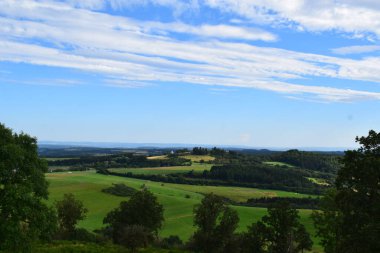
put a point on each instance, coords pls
(360, 19)
(44, 82)
(129, 52)
(356, 49)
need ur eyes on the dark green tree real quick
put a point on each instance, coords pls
(303, 240)
(328, 223)
(142, 209)
(134, 237)
(284, 229)
(70, 211)
(356, 201)
(255, 239)
(216, 224)
(23, 215)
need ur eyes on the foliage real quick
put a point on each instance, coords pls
(120, 190)
(142, 209)
(70, 211)
(278, 232)
(80, 247)
(203, 179)
(255, 239)
(118, 161)
(351, 220)
(170, 242)
(23, 215)
(285, 233)
(298, 203)
(76, 247)
(216, 224)
(134, 237)
(322, 162)
(199, 151)
(327, 222)
(263, 176)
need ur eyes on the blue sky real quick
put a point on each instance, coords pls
(220, 72)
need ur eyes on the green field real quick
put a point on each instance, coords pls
(178, 200)
(193, 158)
(196, 167)
(279, 164)
(58, 158)
(157, 157)
(319, 181)
(198, 158)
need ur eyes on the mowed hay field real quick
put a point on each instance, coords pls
(178, 200)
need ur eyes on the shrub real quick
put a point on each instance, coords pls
(120, 190)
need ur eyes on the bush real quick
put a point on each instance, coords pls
(134, 237)
(76, 247)
(120, 190)
(171, 242)
(141, 210)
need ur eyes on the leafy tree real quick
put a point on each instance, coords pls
(217, 152)
(356, 202)
(23, 215)
(70, 211)
(134, 237)
(172, 241)
(199, 151)
(303, 239)
(327, 222)
(285, 233)
(142, 209)
(255, 239)
(216, 224)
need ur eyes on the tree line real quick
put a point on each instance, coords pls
(128, 160)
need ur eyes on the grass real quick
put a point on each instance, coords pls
(85, 247)
(178, 207)
(193, 158)
(58, 158)
(196, 167)
(198, 158)
(238, 194)
(319, 181)
(279, 164)
(157, 157)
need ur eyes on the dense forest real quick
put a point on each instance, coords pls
(123, 160)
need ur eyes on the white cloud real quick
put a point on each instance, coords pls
(45, 82)
(360, 19)
(356, 49)
(350, 16)
(215, 31)
(87, 4)
(135, 53)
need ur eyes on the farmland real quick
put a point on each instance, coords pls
(178, 200)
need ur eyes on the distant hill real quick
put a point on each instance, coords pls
(123, 145)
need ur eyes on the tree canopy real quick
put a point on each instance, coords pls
(141, 210)
(216, 223)
(23, 215)
(70, 211)
(350, 217)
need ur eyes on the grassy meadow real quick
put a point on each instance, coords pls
(193, 158)
(279, 164)
(178, 200)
